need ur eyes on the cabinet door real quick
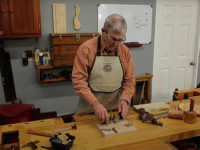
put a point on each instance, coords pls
(24, 16)
(4, 20)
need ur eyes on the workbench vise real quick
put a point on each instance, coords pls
(147, 117)
(62, 145)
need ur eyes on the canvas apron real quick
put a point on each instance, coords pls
(105, 81)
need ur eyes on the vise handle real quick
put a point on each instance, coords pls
(40, 133)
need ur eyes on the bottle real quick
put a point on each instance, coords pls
(37, 55)
(45, 60)
(41, 59)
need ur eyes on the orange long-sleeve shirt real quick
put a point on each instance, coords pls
(82, 66)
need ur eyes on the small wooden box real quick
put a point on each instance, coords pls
(64, 47)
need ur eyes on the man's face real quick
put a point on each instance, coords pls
(112, 39)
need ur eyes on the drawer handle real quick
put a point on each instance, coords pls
(78, 37)
(60, 37)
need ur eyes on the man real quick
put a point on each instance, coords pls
(103, 72)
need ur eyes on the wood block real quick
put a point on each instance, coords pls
(190, 117)
(176, 114)
(120, 127)
(186, 107)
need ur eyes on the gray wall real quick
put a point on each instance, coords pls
(61, 96)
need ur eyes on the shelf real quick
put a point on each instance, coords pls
(47, 74)
(132, 44)
(146, 89)
(55, 80)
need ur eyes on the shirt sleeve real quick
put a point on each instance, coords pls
(128, 83)
(80, 75)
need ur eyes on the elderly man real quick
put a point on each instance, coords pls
(103, 72)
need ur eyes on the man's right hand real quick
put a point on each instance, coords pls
(100, 112)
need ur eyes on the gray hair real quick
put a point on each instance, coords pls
(116, 23)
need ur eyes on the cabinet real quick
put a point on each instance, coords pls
(64, 47)
(20, 18)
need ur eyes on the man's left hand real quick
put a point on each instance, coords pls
(123, 107)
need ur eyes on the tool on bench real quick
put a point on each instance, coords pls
(60, 136)
(74, 127)
(147, 117)
(176, 114)
(58, 141)
(114, 130)
(62, 145)
(46, 134)
(190, 116)
(113, 119)
(120, 116)
(32, 144)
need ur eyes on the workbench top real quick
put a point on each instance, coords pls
(88, 136)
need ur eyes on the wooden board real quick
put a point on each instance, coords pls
(186, 107)
(152, 107)
(120, 127)
(59, 18)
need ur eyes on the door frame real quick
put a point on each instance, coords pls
(197, 51)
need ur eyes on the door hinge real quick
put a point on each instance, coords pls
(39, 26)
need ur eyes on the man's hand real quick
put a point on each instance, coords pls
(100, 112)
(123, 107)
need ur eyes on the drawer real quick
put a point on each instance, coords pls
(71, 38)
(63, 62)
(64, 55)
(64, 46)
(64, 50)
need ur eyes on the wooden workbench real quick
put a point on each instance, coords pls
(88, 136)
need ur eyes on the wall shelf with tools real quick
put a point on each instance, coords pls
(64, 47)
(52, 74)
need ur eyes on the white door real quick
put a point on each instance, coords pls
(176, 47)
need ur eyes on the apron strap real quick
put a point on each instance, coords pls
(116, 54)
(99, 46)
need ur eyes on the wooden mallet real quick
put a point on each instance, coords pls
(190, 116)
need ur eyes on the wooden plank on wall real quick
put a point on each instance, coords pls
(59, 18)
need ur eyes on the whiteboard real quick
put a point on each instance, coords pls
(138, 19)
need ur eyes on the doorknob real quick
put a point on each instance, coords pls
(192, 63)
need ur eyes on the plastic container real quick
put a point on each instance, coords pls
(45, 60)
(41, 59)
(37, 55)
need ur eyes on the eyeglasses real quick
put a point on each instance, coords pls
(115, 40)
